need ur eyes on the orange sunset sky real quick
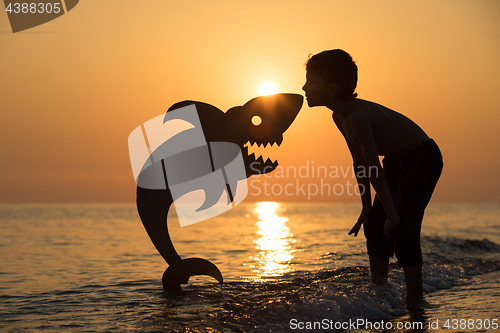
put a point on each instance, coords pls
(72, 90)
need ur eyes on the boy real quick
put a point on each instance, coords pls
(412, 166)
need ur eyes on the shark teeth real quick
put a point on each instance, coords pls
(265, 143)
(263, 149)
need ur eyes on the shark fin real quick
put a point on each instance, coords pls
(178, 274)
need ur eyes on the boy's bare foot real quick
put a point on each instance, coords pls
(414, 286)
(378, 280)
(419, 306)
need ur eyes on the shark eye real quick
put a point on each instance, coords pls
(256, 120)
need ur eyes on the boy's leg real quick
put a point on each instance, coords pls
(415, 196)
(379, 247)
(379, 269)
(414, 285)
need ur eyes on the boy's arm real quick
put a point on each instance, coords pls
(362, 129)
(358, 161)
(364, 187)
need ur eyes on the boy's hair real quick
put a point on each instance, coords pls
(336, 66)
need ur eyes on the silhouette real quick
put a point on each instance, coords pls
(412, 167)
(276, 113)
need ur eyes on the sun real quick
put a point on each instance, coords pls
(268, 88)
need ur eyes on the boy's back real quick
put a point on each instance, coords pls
(393, 133)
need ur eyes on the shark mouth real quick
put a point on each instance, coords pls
(258, 155)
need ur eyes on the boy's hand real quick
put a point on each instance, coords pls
(356, 227)
(390, 225)
(363, 218)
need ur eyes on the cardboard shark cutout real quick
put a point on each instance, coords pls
(215, 161)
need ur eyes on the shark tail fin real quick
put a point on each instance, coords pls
(178, 274)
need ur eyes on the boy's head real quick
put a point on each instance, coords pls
(338, 71)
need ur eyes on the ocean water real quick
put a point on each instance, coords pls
(286, 267)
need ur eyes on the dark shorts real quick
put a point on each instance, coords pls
(411, 179)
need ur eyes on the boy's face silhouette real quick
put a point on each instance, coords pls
(317, 89)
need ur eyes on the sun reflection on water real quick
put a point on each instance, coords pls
(274, 242)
